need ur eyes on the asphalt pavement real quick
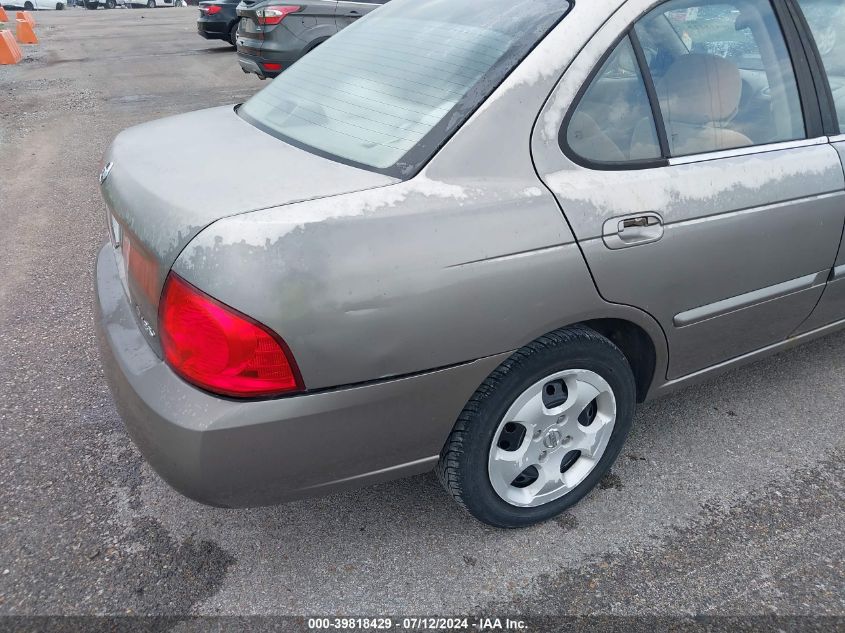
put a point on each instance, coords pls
(729, 498)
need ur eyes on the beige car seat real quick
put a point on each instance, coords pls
(699, 95)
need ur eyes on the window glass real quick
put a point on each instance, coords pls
(827, 22)
(395, 84)
(722, 74)
(613, 121)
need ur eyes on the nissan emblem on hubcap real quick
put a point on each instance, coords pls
(552, 439)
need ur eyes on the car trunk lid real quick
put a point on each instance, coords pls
(249, 27)
(173, 177)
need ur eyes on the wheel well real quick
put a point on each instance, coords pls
(637, 346)
(314, 45)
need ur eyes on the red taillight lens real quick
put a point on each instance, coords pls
(272, 66)
(219, 349)
(214, 9)
(275, 14)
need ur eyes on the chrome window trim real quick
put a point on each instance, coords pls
(837, 139)
(747, 151)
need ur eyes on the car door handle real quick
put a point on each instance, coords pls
(353, 14)
(632, 230)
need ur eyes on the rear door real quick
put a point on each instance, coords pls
(825, 20)
(689, 159)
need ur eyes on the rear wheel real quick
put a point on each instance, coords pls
(233, 35)
(28, 6)
(542, 430)
(111, 4)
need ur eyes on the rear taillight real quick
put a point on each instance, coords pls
(272, 66)
(275, 14)
(214, 9)
(219, 349)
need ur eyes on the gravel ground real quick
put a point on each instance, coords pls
(729, 498)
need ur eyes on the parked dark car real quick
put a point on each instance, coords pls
(218, 20)
(272, 36)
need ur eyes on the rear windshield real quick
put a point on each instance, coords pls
(388, 91)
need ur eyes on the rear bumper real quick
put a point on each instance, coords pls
(278, 46)
(250, 64)
(213, 30)
(235, 453)
(256, 63)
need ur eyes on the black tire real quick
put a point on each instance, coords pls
(462, 468)
(233, 35)
(111, 4)
(28, 6)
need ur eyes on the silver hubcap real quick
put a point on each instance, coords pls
(551, 437)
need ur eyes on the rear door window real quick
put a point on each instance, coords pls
(690, 78)
(723, 75)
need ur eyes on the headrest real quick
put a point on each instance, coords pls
(700, 89)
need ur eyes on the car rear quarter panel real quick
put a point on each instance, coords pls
(296, 34)
(470, 258)
(393, 281)
(316, 22)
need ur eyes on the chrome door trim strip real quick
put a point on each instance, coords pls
(747, 151)
(837, 139)
(838, 273)
(739, 302)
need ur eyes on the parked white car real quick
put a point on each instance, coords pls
(37, 5)
(152, 4)
(108, 4)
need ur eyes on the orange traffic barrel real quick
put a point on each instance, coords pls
(10, 52)
(26, 34)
